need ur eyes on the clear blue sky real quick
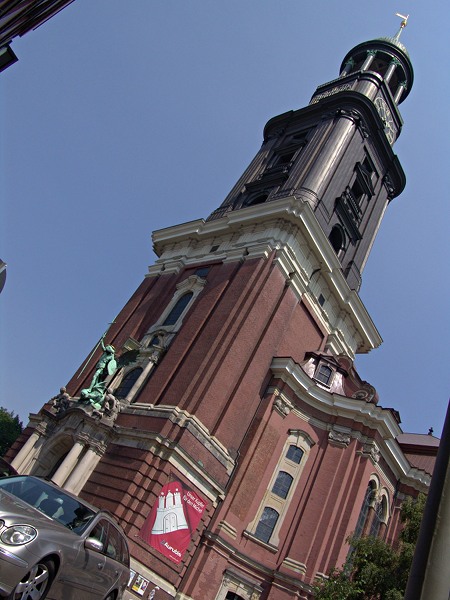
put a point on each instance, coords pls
(125, 117)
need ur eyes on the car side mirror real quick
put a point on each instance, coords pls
(91, 543)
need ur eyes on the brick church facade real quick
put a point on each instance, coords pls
(223, 412)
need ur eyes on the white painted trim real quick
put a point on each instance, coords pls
(289, 227)
(371, 415)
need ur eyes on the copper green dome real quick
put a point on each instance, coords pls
(396, 42)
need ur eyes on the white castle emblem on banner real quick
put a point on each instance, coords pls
(170, 514)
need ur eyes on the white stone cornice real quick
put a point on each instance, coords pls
(290, 372)
(175, 456)
(289, 228)
(377, 418)
(188, 421)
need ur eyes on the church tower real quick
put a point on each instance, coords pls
(224, 424)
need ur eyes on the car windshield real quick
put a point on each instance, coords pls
(51, 501)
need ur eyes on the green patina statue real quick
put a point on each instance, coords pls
(106, 366)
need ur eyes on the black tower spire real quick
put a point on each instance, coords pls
(336, 154)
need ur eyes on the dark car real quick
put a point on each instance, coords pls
(55, 545)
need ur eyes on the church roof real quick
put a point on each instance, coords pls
(420, 449)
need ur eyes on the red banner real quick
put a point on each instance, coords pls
(172, 520)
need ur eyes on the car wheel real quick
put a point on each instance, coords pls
(36, 584)
(111, 596)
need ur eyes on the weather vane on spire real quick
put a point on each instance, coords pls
(403, 24)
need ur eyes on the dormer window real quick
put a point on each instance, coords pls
(324, 374)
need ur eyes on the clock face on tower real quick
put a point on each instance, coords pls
(386, 116)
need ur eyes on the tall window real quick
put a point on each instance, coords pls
(379, 517)
(266, 524)
(364, 512)
(275, 502)
(127, 383)
(178, 309)
(162, 331)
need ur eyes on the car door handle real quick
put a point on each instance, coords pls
(99, 566)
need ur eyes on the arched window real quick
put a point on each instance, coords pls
(281, 488)
(266, 524)
(233, 596)
(127, 383)
(257, 199)
(294, 453)
(178, 309)
(337, 238)
(363, 513)
(379, 517)
(202, 271)
(282, 484)
(161, 333)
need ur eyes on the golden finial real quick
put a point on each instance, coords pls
(403, 24)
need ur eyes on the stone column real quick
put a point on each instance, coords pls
(347, 67)
(399, 93)
(68, 463)
(391, 69)
(78, 477)
(29, 448)
(369, 59)
(331, 151)
(25, 450)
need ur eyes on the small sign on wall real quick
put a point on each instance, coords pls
(140, 585)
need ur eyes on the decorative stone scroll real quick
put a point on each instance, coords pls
(372, 451)
(339, 438)
(282, 405)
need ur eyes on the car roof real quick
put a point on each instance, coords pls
(58, 489)
(61, 490)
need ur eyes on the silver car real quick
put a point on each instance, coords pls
(55, 545)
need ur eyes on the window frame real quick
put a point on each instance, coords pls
(194, 284)
(263, 528)
(125, 379)
(322, 363)
(271, 499)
